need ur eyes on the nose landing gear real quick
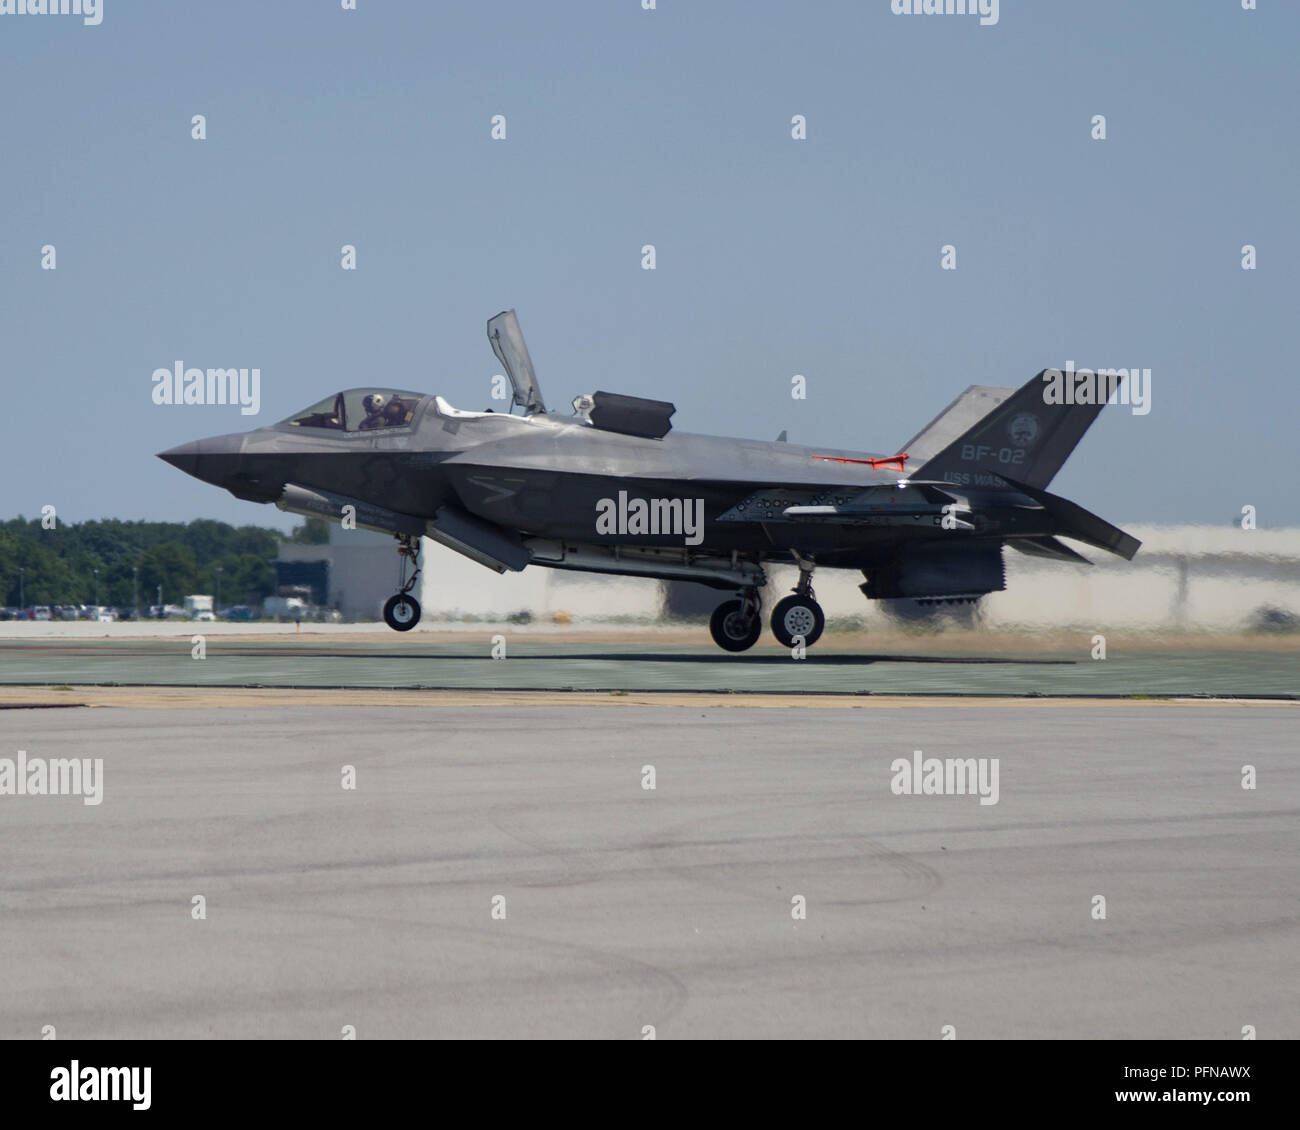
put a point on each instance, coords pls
(402, 611)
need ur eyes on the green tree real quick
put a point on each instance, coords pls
(172, 566)
(313, 531)
(60, 563)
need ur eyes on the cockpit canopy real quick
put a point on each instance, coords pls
(360, 410)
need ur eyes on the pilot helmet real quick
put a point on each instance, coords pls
(372, 403)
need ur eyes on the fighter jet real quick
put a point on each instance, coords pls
(610, 488)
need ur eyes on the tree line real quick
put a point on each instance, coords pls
(59, 565)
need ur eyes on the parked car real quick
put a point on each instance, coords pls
(1270, 618)
(42, 612)
(284, 607)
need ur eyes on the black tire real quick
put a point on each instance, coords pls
(730, 631)
(401, 612)
(798, 616)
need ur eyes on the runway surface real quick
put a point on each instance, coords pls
(974, 665)
(626, 907)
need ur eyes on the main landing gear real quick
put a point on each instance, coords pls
(798, 619)
(736, 624)
(402, 611)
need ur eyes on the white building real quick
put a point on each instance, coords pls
(363, 571)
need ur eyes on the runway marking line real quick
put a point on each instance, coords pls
(192, 698)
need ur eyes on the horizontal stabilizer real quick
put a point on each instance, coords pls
(1075, 522)
(1047, 546)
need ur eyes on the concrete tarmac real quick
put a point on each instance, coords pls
(970, 663)
(672, 907)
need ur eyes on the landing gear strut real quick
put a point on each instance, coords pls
(799, 618)
(402, 611)
(737, 624)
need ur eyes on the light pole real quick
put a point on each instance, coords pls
(160, 603)
(217, 607)
(22, 599)
(135, 588)
(96, 572)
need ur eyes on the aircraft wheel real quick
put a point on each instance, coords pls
(731, 629)
(402, 612)
(798, 616)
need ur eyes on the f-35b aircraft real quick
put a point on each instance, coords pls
(612, 489)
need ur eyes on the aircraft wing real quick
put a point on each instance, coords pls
(916, 503)
(508, 344)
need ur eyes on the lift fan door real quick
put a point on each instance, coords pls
(631, 415)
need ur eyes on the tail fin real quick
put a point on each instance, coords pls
(971, 406)
(1027, 436)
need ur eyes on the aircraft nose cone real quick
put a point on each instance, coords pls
(184, 458)
(209, 459)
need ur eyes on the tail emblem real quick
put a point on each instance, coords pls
(1023, 429)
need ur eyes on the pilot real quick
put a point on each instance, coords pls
(395, 412)
(374, 406)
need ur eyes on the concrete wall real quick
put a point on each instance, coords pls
(1192, 577)
(1183, 577)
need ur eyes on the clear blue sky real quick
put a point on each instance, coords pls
(669, 127)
